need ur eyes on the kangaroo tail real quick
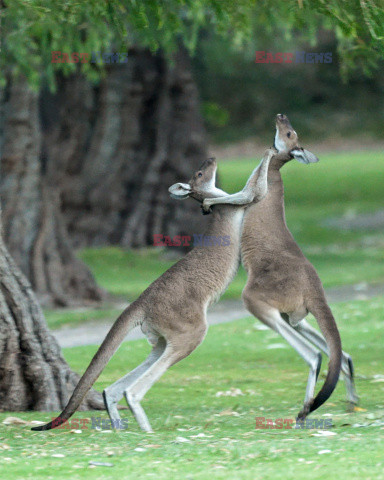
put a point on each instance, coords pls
(127, 320)
(328, 327)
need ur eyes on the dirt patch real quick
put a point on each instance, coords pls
(93, 333)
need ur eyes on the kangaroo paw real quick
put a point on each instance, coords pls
(305, 411)
(205, 211)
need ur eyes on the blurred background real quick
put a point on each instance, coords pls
(88, 150)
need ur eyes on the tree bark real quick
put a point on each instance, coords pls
(105, 162)
(34, 230)
(119, 146)
(33, 374)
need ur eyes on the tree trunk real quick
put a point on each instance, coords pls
(34, 230)
(118, 147)
(33, 374)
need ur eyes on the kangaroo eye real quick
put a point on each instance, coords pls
(288, 134)
(199, 174)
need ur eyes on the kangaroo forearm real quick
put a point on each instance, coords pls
(256, 186)
(240, 198)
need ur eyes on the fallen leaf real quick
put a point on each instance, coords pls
(182, 439)
(233, 392)
(200, 435)
(359, 409)
(14, 421)
(370, 416)
(274, 346)
(228, 412)
(100, 464)
(323, 433)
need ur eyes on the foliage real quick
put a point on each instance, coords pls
(32, 29)
(203, 435)
(314, 95)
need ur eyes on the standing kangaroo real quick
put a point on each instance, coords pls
(172, 310)
(282, 285)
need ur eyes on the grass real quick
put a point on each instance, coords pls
(70, 318)
(340, 184)
(126, 272)
(199, 435)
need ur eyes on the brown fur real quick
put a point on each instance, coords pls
(172, 310)
(279, 275)
(282, 284)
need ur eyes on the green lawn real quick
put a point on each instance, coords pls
(340, 184)
(199, 435)
(66, 318)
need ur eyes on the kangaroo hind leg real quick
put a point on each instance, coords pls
(273, 319)
(347, 369)
(178, 346)
(115, 392)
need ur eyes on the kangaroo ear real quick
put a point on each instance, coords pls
(180, 191)
(304, 156)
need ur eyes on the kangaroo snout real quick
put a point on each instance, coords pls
(281, 120)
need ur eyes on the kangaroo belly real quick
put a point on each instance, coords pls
(281, 283)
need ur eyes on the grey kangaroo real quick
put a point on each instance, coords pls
(172, 310)
(282, 285)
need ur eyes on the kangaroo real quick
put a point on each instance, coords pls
(172, 310)
(282, 285)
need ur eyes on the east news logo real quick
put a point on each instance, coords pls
(293, 57)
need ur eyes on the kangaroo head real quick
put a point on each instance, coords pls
(286, 140)
(200, 186)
